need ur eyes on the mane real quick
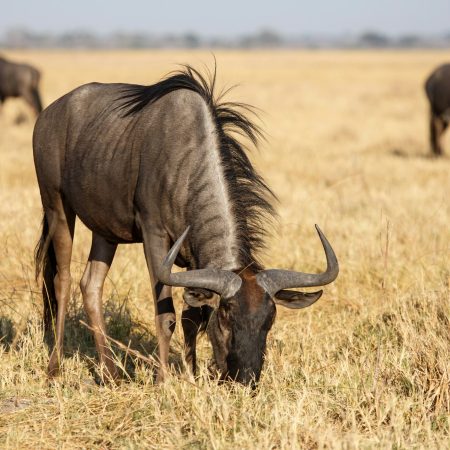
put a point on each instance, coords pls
(250, 197)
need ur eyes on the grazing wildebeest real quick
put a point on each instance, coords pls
(437, 88)
(152, 164)
(20, 80)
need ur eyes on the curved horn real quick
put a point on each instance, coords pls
(274, 280)
(223, 282)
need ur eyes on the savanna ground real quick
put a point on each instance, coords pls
(367, 366)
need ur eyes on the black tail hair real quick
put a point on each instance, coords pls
(250, 196)
(45, 263)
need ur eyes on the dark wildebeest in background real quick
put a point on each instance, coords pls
(437, 88)
(150, 164)
(20, 80)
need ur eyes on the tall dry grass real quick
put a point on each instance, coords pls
(367, 366)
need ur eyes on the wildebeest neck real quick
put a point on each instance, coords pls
(214, 239)
(246, 195)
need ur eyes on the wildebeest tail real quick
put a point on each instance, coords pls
(45, 262)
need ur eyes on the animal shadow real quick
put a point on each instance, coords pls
(122, 327)
(401, 153)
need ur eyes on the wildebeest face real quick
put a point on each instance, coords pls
(242, 355)
(239, 324)
(238, 331)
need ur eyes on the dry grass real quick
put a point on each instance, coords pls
(368, 366)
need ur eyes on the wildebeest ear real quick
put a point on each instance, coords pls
(296, 300)
(197, 297)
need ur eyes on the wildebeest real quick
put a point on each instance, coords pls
(161, 165)
(20, 80)
(437, 88)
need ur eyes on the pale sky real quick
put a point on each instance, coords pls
(229, 17)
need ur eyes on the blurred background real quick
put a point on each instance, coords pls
(230, 24)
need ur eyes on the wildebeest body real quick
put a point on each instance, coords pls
(148, 164)
(136, 166)
(437, 88)
(20, 80)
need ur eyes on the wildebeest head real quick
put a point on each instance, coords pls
(244, 306)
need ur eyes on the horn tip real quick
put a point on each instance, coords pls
(319, 232)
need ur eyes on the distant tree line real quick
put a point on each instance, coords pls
(23, 38)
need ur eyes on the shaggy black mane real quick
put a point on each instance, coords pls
(249, 194)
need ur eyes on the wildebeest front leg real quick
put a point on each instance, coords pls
(99, 262)
(191, 321)
(165, 324)
(155, 251)
(437, 128)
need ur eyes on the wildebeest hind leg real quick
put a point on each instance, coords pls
(99, 262)
(62, 221)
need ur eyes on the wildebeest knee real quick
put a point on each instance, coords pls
(62, 281)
